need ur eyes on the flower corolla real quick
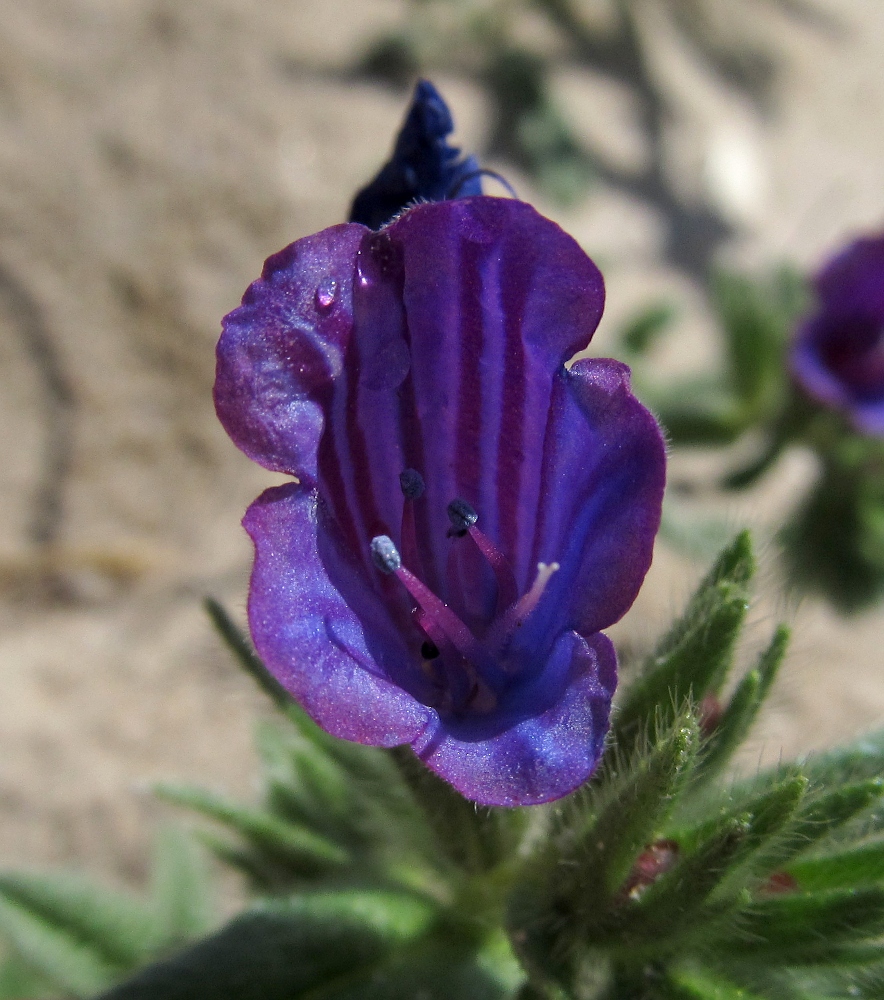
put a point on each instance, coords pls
(468, 513)
(838, 353)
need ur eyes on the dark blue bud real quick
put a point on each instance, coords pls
(423, 166)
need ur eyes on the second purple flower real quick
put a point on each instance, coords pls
(469, 514)
(838, 354)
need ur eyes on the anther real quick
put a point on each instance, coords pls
(462, 516)
(385, 555)
(412, 484)
(463, 521)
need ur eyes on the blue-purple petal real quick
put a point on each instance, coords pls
(310, 638)
(603, 475)
(540, 755)
(283, 347)
(496, 298)
(851, 282)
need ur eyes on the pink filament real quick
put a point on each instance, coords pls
(507, 591)
(437, 614)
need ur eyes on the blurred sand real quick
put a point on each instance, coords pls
(151, 155)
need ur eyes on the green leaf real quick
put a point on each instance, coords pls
(528, 127)
(756, 331)
(699, 896)
(70, 963)
(701, 984)
(113, 926)
(306, 853)
(861, 759)
(767, 807)
(305, 784)
(855, 867)
(698, 536)
(335, 786)
(828, 810)
(778, 436)
(642, 331)
(351, 794)
(809, 927)
(180, 889)
(694, 657)
(851, 764)
(707, 885)
(575, 881)
(437, 970)
(280, 951)
(18, 979)
(671, 908)
(829, 542)
(634, 808)
(696, 411)
(743, 708)
(266, 875)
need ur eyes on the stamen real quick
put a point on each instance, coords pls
(528, 602)
(437, 616)
(412, 484)
(515, 617)
(463, 521)
(455, 678)
(462, 516)
(384, 554)
(439, 613)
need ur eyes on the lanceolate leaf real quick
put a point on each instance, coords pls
(283, 951)
(116, 928)
(693, 658)
(306, 852)
(807, 927)
(854, 867)
(20, 979)
(246, 656)
(73, 965)
(743, 708)
(632, 813)
(863, 758)
(181, 893)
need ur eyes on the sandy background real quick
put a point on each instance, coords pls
(151, 155)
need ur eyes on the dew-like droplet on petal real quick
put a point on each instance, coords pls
(325, 294)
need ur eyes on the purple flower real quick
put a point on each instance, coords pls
(838, 354)
(423, 166)
(468, 513)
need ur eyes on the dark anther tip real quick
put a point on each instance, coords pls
(429, 650)
(384, 554)
(462, 516)
(412, 484)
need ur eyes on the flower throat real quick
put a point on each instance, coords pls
(468, 671)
